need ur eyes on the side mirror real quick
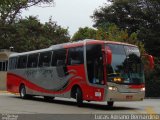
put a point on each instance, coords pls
(108, 54)
(150, 61)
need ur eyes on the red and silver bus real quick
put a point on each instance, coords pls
(90, 70)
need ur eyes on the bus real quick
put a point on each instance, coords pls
(87, 70)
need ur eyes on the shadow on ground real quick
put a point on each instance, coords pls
(73, 103)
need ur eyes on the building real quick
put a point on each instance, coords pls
(4, 55)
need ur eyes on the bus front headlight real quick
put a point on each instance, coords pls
(143, 89)
(112, 88)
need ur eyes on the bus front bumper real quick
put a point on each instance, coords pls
(125, 96)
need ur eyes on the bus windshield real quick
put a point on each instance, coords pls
(126, 66)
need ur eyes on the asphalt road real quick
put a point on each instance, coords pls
(10, 103)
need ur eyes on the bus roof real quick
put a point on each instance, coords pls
(71, 44)
(121, 43)
(91, 41)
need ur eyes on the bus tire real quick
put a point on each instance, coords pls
(110, 103)
(22, 92)
(79, 97)
(48, 98)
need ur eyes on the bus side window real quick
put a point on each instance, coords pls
(45, 59)
(32, 61)
(13, 63)
(59, 57)
(75, 56)
(22, 62)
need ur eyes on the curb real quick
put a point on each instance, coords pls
(4, 91)
(152, 98)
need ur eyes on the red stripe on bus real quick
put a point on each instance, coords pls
(137, 86)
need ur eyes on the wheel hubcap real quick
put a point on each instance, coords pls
(22, 92)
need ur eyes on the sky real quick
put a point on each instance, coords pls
(70, 14)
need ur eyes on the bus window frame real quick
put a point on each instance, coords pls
(54, 59)
(26, 62)
(37, 60)
(15, 63)
(39, 56)
(69, 54)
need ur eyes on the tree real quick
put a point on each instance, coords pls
(55, 32)
(84, 33)
(139, 16)
(113, 33)
(29, 34)
(10, 9)
(89, 33)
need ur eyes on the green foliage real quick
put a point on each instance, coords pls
(89, 33)
(137, 16)
(119, 35)
(84, 33)
(29, 34)
(11, 9)
(153, 81)
(112, 33)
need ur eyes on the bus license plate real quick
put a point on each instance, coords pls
(98, 94)
(129, 97)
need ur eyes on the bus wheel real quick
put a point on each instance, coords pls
(79, 97)
(110, 103)
(22, 92)
(48, 98)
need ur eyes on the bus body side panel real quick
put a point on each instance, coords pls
(15, 79)
(50, 80)
(89, 92)
(13, 83)
(92, 93)
(46, 81)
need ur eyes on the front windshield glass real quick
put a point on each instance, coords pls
(126, 66)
